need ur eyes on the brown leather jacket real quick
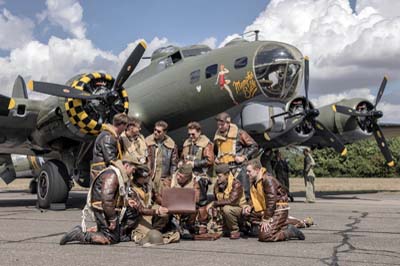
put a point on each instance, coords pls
(139, 203)
(234, 196)
(105, 191)
(169, 155)
(106, 147)
(274, 194)
(245, 144)
(201, 152)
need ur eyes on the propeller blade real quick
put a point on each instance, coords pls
(61, 90)
(334, 141)
(130, 64)
(348, 111)
(306, 77)
(381, 90)
(380, 139)
(6, 104)
(294, 121)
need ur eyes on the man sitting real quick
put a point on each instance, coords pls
(229, 199)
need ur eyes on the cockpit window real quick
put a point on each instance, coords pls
(211, 71)
(278, 70)
(278, 80)
(241, 62)
(272, 53)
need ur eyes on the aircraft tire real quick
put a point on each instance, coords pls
(33, 186)
(52, 184)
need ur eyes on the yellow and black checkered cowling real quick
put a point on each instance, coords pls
(76, 109)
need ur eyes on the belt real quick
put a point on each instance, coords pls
(98, 164)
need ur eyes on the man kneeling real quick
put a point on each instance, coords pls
(269, 202)
(104, 198)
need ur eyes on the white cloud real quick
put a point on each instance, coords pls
(67, 14)
(61, 59)
(347, 50)
(151, 47)
(228, 39)
(14, 31)
(210, 42)
(333, 98)
(387, 8)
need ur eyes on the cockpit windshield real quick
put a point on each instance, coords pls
(278, 70)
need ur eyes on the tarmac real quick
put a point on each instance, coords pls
(350, 229)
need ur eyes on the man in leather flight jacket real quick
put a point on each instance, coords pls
(105, 200)
(229, 197)
(269, 205)
(163, 156)
(234, 146)
(107, 147)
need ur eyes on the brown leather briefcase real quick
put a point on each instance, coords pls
(179, 200)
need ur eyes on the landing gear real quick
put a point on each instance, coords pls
(33, 186)
(52, 184)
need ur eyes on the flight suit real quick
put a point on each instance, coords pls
(309, 177)
(135, 147)
(236, 142)
(106, 149)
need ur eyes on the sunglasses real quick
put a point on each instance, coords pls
(191, 134)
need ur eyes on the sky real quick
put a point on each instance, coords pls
(351, 44)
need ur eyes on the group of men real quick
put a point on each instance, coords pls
(129, 174)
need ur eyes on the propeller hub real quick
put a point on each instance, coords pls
(377, 114)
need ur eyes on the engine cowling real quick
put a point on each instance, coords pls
(349, 128)
(88, 116)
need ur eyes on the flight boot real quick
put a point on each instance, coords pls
(75, 234)
(293, 233)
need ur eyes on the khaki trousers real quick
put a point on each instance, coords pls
(232, 216)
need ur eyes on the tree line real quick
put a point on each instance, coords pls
(363, 159)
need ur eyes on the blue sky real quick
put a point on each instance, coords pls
(351, 44)
(185, 22)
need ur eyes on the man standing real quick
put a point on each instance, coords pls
(107, 147)
(163, 156)
(229, 197)
(269, 200)
(234, 147)
(309, 176)
(281, 170)
(106, 195)
(133, 143)
(198, 152)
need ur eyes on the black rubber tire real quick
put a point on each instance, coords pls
(33, 186)
(52, 184)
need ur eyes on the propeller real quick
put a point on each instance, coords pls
(70, 92)
(308, 118)
(368, 120)
(6, 104)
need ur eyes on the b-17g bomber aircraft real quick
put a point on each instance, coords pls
(256, 82)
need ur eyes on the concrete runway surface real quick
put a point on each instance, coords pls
(351, 229)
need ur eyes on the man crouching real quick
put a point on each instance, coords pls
(269, 202)
(106, 194)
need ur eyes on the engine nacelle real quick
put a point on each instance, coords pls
(349, 128)
(75, 119)
(86, 117)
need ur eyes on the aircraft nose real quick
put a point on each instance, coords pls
(278, 68)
